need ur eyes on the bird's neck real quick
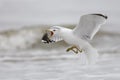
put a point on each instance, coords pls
(65, 31)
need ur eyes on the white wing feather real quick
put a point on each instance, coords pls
(88, 25)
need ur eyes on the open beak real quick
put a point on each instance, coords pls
(50, 32)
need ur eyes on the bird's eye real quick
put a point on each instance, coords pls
(54, 30)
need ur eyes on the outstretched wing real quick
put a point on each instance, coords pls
(88, 25)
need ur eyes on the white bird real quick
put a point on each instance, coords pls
(78, 37)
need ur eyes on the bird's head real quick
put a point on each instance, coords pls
(53, 30)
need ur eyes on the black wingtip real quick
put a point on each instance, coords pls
(101, 15)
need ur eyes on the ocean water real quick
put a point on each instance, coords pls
(24, 57)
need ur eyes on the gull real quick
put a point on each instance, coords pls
(78, 37)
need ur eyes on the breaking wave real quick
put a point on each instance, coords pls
(19, 39)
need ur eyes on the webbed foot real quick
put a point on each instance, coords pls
(75, 49)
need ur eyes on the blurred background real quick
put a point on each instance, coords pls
(24, 12)
(24, 57)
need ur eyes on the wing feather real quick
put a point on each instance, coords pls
(89, 25)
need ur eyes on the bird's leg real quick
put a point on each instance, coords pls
(75, 49)
(80, 50)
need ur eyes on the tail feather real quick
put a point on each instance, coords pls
(90, 54)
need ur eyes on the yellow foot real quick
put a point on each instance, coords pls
(74, 49)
